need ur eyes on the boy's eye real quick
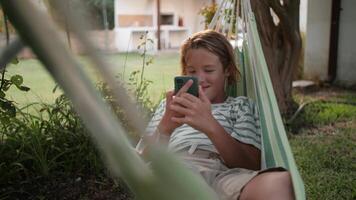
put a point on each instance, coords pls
(191, 71)
(209, 70)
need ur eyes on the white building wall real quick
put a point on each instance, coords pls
(346, 65)
(188, 10)
(317, 39)
(125, 38)
(172, 7)
(191, 14)
(131, 7)
(172, 35)
(303, 13)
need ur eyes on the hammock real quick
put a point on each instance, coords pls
(256, 84)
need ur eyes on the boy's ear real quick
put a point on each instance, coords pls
(227, 72)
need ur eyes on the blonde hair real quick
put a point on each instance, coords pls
(217, 44)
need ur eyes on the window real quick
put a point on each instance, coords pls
(167, 19)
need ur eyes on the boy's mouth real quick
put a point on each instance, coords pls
(204, 87)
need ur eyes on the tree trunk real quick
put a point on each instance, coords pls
(281, 43)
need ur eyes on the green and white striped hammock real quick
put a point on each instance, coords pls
(256, 84)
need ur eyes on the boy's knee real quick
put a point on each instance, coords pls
(269, 185)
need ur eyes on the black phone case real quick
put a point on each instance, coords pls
(179, 81)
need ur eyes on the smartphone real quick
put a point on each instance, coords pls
(179, 81)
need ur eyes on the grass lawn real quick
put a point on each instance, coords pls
(326, 161)
(161, 72)
(324, 144)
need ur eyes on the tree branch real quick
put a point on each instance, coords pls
(264, 20)
(276, 5)
(280, 11)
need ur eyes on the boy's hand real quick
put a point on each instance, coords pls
(167, 125)
(194, 111)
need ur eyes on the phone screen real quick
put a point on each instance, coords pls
(179, 81)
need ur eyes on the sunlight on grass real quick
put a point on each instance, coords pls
(164, 67)
(324, 113)
(35, 77)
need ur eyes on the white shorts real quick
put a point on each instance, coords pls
(226, 182)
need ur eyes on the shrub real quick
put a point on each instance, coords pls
(320, 113)
(53, 142)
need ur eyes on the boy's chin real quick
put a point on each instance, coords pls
(210, 97)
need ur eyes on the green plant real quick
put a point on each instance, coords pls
(53, 140)
(7, 107)
(319, 113)
(137, 79)
(137, 86)
(49, 144)
(208, 13)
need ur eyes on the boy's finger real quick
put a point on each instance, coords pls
(202, 95)
(190, 97)
(180, 110)
(179, 120)
(169, 96)
(185, 87)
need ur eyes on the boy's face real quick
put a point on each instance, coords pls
(209, 70)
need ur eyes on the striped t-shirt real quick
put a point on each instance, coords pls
(238, 116)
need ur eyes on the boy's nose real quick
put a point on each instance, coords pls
(201, 77)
